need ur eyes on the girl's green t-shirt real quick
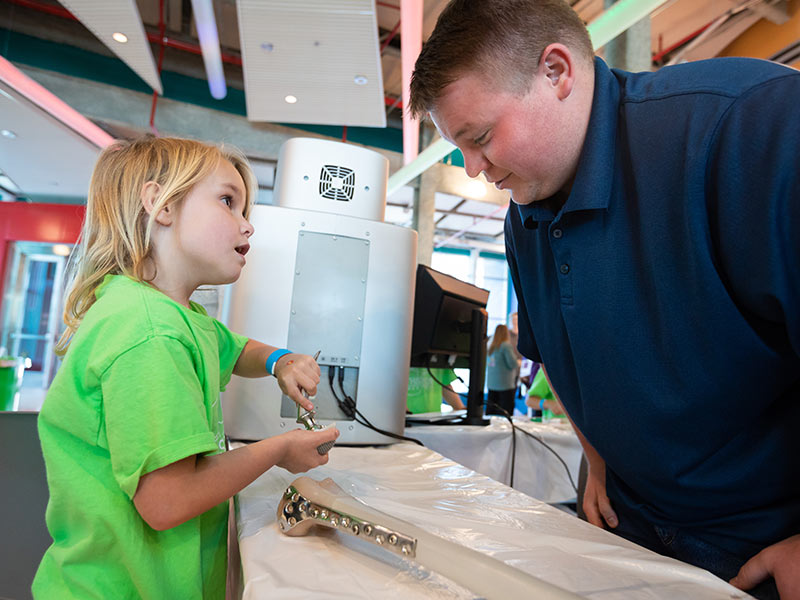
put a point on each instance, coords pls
(540, 387)
(138, 389)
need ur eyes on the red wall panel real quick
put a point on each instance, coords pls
(52, 223)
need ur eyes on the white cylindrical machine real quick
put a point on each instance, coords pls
(323, 275)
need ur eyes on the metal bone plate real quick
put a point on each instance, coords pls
(294, 508)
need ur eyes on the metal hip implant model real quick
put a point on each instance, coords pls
(307, 502)
(307, 419)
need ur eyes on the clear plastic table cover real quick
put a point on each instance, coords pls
(422, 487)
(487, 450)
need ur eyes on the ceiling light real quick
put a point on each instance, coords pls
(360, 80)
(7, 133)
(290, 99)
(207, 34)
(119, 37)
(61, 250)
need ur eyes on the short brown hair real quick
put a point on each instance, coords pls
(503, 39)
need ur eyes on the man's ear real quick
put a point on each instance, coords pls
(558, 66)
(149, 194)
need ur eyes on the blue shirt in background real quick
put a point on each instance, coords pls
(502, 368)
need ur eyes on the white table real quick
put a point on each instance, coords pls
(487, 450)
(453, 502)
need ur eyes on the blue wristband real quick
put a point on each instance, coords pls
(541, 404)
(272, 359)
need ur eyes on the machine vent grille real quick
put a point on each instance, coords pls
(337, 183)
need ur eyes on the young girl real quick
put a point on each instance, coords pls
(131, 429)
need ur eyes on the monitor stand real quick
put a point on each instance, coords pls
(477, 373)
(477, 377)
(477, 369)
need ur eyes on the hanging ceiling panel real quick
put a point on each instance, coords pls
(109, 18)
(322, 55)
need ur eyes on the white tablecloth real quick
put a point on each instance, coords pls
(453, 502)
(487, 450)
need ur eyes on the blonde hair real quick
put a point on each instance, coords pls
(115, 237)
(500, 335)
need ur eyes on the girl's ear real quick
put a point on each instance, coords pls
(149, 194)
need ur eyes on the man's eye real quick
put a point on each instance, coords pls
(482, 139)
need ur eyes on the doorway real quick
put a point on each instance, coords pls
(31, 313)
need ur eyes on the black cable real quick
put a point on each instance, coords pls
(514, 428)
(348, 407)
(464, 396)
(505, 414)
(561, 460)
(331, 375)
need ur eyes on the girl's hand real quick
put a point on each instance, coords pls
(554, 407)
(298, 373)
(300, 449)
(533, 401)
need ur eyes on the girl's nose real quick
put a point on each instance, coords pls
(247, 228)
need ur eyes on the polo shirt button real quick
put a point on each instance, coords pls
(564, 268)
(557, 233)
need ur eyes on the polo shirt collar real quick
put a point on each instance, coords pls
(592, 186)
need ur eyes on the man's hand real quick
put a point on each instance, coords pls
(781, 561)
(596, 504)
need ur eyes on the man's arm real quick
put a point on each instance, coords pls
(762, 237)
(296, 373)
(596, 504)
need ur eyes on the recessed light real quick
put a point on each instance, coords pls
(119, 37)
(360, 80)
(7, 133)
(290, 99)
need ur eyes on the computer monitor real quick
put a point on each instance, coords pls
(449, 331)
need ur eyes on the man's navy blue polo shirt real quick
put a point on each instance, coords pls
(664, 296)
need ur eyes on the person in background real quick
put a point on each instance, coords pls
(527, 371)
(540, 397)
(654, 246)
(426, 395)
(131, 428)
(502, 366)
